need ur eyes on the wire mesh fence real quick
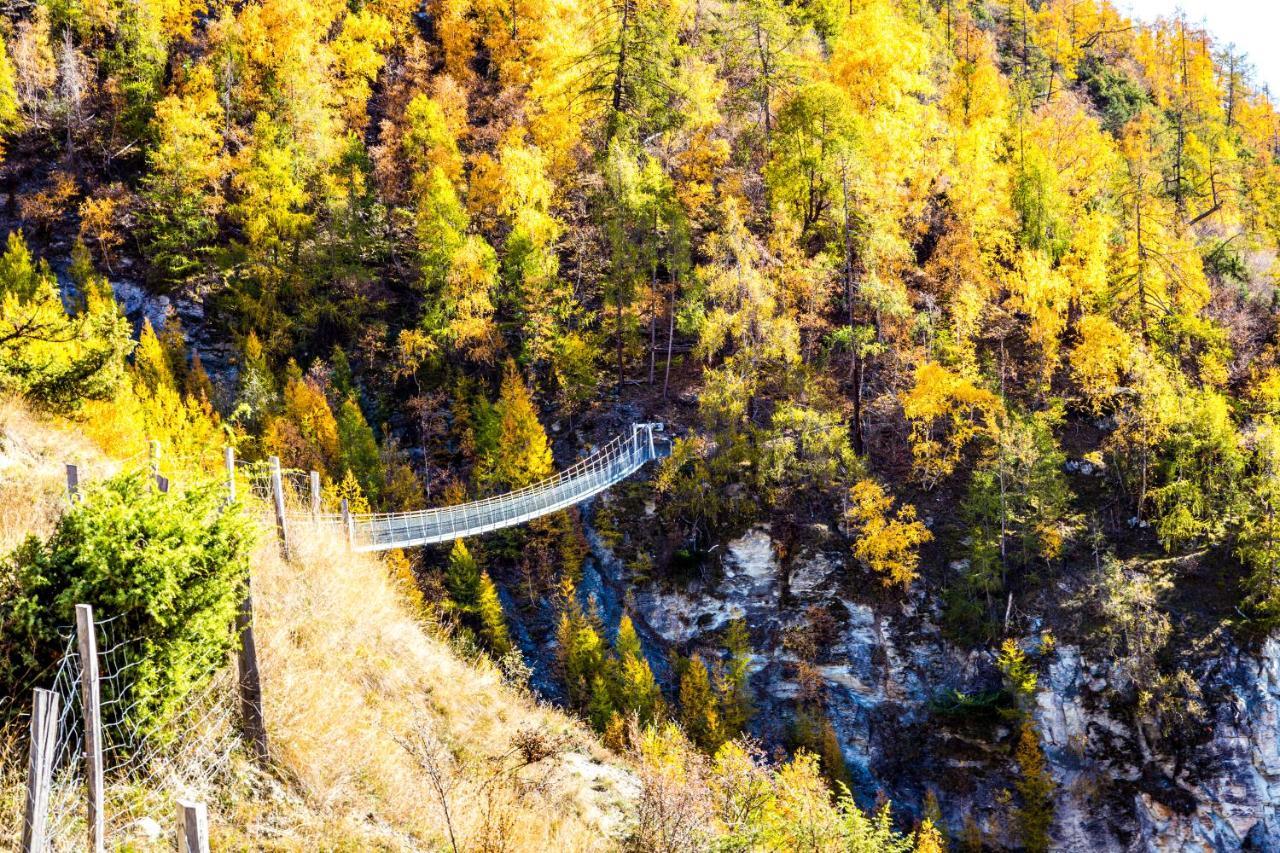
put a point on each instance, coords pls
(253, 478)
(65, 800)
(145, 766)
(83, 474)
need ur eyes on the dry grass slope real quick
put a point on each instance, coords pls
(34, 453)
(370, 715)
(383, 738)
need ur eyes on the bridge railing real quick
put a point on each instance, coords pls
(606, 465)
(597, 461)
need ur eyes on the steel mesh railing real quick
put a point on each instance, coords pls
(607, 465)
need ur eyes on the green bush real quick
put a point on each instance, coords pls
(983, 705)
(1116, 95)
(169, 568)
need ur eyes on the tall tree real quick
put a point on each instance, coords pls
(47, 355)
(181, 193)
(699, 711)
(519, 454)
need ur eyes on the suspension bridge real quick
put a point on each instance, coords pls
(608, 464)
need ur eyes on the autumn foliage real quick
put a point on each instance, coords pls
(983, 292)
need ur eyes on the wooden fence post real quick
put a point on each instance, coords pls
(153, 457)
(44, 737)
(193, 827)
(277, 498)
(315, 496)
(91, 704)
(347, 525)
(73, 482)
(229, 458)
(251, 717)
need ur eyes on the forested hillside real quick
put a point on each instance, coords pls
(963, 317)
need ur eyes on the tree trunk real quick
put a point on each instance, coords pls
(1142, 266)
(857, 402)
(857, 364)
(620, 71)
(621, 376)
(671, 333)
(653, 319)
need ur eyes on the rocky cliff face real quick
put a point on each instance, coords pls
(140, 305)
(1225, 797)
(884, 673)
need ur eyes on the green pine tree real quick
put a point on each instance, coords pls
(258, 394)
(736, 703)
(582, 655)
(699, 712)
(493, 624)
(341, 379)
(173, 338)
(600, 708)
(359, 450)
(813, 732)
(831, 755)
(50, 357)
(638, 692)
(628, 642)
(462, 578)
(519, 454)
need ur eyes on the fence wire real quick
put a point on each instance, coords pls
(66, 804)
(143, 771)
(256, 476)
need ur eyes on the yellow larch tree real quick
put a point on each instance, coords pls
(305, 434)
(1158, 271)
(886, 542)
(1099, 359)
(521, 454)
(975, 104)
(946, 412)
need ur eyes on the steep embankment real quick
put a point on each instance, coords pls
(381, 736)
